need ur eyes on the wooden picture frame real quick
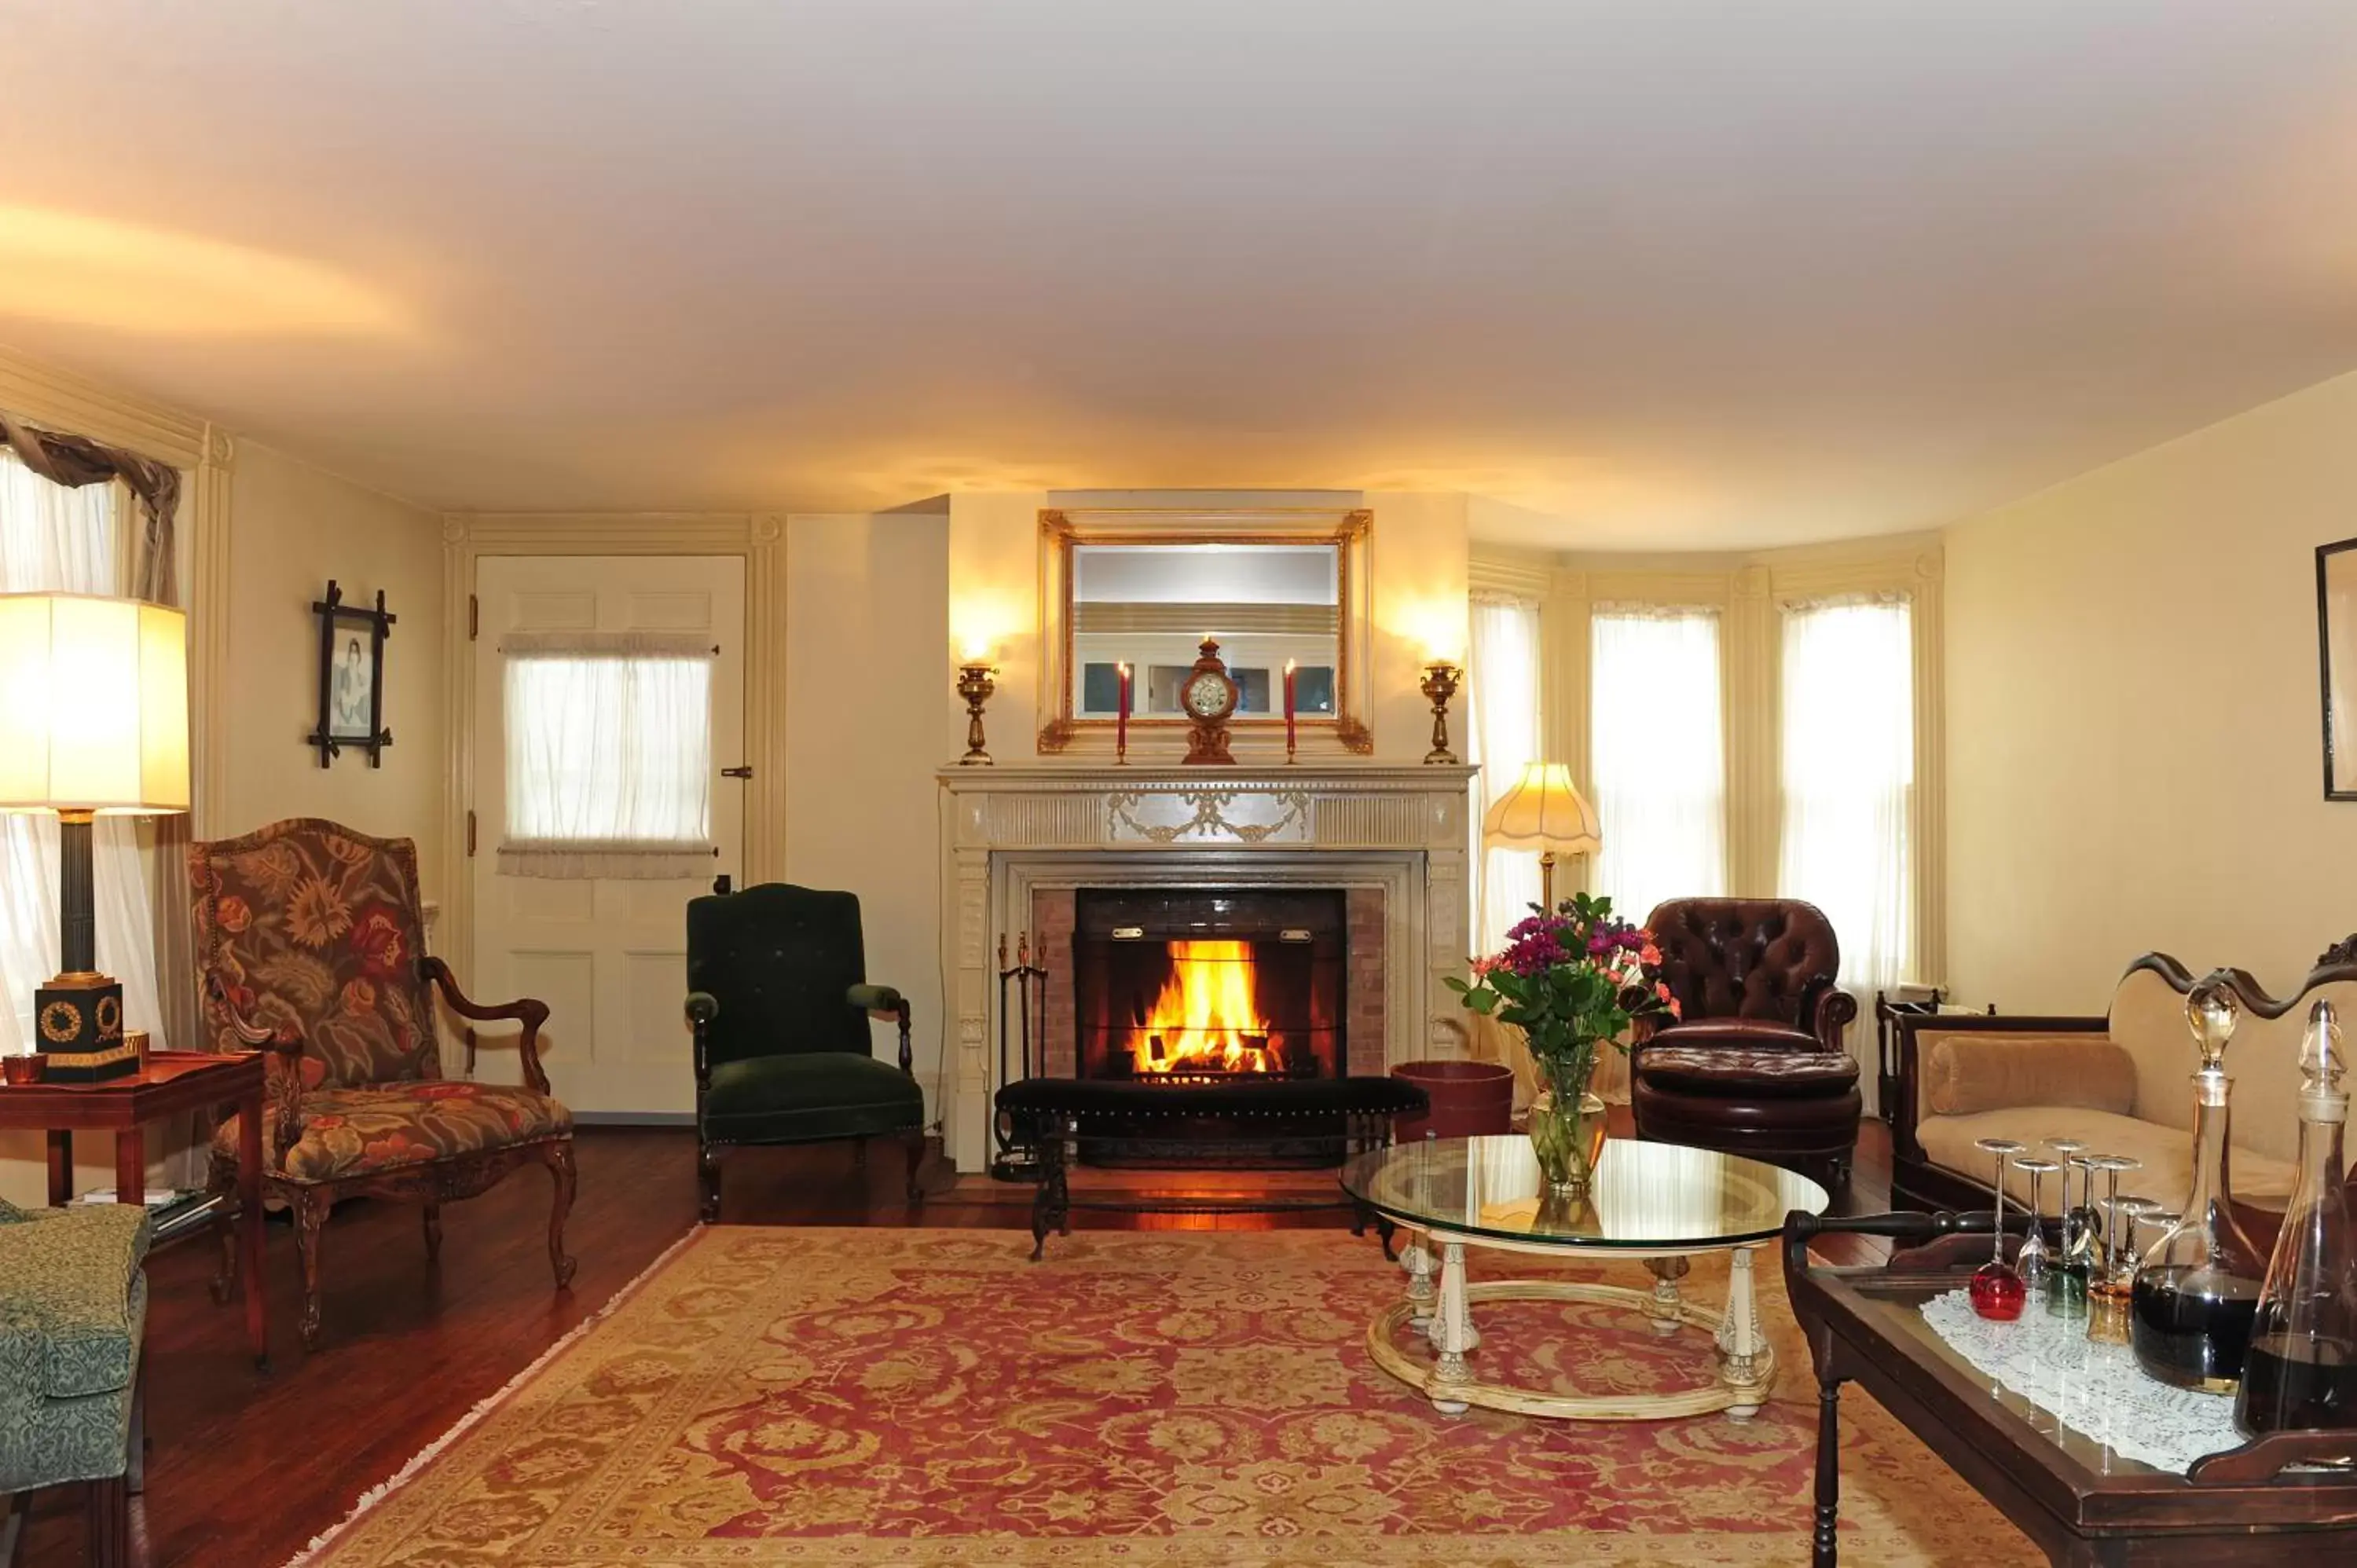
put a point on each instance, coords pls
(1257, 737)
(2336, 639)
(351, 677)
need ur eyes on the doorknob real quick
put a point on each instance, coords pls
(745, 772)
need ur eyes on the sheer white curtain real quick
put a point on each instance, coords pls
(1656, 751)
(1502, 736)
(57, 538)
(1849, 779)
(608, 755)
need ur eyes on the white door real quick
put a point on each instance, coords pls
(608, 955)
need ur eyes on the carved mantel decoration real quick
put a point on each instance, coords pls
(1257, 733)
(1402, 833)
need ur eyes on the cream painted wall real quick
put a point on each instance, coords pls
(994, 575)
(2133, 715)
(1421, 553)
(867, 655)
(293, 527)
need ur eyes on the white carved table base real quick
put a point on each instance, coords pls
(1746, 1365)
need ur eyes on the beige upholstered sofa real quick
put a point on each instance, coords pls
(2121, 1083)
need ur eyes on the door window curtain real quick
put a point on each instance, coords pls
(58, 538)
(1849, 779)
(608, 755)
(1657, 753)
(1502, 736)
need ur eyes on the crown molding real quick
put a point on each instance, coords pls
(58, 399)
(1711, 588)
(1519, 577)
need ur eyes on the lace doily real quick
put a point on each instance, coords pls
(2096, 1390)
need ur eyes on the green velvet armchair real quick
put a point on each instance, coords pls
(74, 1305)
(781, 1005)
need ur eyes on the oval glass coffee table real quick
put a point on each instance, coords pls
(1660, 1202)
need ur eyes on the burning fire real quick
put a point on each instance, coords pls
(1206, 1019)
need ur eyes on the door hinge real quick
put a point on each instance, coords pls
(470, 835)
(745, 772)
(474, 617)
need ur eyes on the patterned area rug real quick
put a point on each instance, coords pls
(854, 1397)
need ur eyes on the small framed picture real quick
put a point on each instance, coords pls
(351, 677)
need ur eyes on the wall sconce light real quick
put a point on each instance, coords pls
(1440, 679)
(977, 679)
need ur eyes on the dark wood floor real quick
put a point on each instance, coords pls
(244, 1470)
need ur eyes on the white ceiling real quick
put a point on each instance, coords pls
(1661, 274)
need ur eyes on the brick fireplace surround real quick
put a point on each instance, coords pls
(1362, 1018)
(1019, 841)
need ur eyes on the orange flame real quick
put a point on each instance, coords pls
(1208, 1018)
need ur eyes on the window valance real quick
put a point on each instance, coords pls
(607, 645)
(74, 461)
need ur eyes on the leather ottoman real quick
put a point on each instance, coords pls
(1798, 1108)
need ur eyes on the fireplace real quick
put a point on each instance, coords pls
(1021, 841)
(1189, 986)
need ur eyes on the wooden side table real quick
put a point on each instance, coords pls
(173, 1083)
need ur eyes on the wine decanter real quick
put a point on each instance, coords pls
(2031, 1260)
(1995, 1289)
(2198, 1286)
(2302, 1367)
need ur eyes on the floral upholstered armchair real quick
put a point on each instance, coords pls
(309, 947)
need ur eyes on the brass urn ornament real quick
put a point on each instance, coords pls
(1439, 684)
(1209, 696)
(976, 680)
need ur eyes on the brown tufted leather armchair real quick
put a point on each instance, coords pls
(1755, 1064)
(1754, 973)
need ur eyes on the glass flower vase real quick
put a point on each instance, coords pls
(1567, 1141)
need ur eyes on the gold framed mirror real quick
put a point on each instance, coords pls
(1145, 588)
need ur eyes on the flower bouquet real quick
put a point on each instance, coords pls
(1572, 979)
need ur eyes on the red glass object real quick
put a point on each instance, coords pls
(1997, 1292)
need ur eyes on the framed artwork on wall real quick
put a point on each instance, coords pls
(351, 677)
(2336, 631)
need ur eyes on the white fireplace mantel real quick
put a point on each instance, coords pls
(1402, 827)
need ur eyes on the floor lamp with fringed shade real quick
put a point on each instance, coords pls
(93, 721)
(1543, 810)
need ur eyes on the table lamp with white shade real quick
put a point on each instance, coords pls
(93, 721)
(1543, 810)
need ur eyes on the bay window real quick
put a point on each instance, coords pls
(1656, 754)
(1502, 736)
(1848, 774)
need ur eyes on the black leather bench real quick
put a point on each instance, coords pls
(1285, 1121)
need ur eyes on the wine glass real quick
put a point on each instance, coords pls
(2135, 1213)
(1996, 1290)
(2110, 1284)
(2066, 1282)
(2031, 1258)
(2083, 1228)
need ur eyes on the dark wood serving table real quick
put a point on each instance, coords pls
(2078, 1499)
(173, 1083)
